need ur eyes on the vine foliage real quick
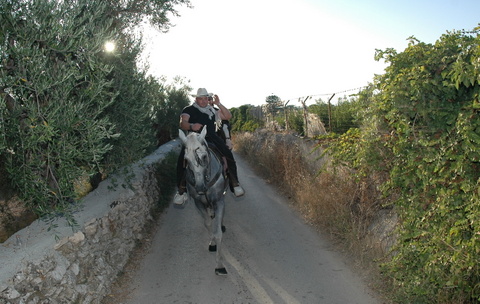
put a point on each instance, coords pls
(419, 123)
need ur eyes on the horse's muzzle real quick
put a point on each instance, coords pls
(202, 190)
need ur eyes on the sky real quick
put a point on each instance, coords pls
(247, 50)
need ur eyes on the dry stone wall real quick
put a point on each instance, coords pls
(41, 265)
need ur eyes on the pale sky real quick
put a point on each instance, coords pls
(247, 50)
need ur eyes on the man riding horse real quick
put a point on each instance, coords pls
(195, 117)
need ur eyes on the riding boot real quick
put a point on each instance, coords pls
(180, 196)
(233, 176)
(232, 172)
(232, 166)
(225, 165)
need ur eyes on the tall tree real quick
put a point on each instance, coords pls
(273, 102)
(68, 108)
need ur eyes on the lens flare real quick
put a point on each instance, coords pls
(109, 46)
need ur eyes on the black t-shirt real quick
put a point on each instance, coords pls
(198, 117)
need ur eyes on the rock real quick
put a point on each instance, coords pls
(10, 293)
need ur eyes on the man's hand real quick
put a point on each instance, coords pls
(216, 100)
(196, 127)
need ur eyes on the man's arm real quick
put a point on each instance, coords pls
(224, 112)
(186, 125)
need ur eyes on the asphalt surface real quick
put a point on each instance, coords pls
(271, 256)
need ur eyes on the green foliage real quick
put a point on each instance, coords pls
(420, 123)
(345, 147)
(169, 102)
(68, 109)
(342, 115)
(343, 118)
(273, 103)
(130, 112)
(55, 91)
(429, 94)
(243, 121)
(130, 13)
(295, 119)
(273, 100)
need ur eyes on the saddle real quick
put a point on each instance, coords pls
(220, 157)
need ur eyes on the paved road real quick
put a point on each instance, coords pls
(271, 255)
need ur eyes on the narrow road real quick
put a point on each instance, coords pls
(271, 256)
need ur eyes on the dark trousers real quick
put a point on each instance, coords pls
(224, 150)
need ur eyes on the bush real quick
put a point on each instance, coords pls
(420, 125)
(53, 123)
(243, 121)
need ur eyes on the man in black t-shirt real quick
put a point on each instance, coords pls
(195, 117)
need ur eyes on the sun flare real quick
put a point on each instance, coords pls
(109, 46)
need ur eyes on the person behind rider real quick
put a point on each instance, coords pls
(225, 131)
(193, 118)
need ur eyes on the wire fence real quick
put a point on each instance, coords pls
(306, 98)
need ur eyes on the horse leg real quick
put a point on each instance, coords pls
(217, 236)
(212, 246)
(223, 225)
(209, 222)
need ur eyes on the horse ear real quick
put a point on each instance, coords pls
(182, 136)
(203, 133)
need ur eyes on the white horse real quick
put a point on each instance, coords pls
(206, 185)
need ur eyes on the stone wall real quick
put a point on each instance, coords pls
(64, 265)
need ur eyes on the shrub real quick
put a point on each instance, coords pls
(53, 123)
(420, 125)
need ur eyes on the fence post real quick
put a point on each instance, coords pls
(330, 114)
(305, 116)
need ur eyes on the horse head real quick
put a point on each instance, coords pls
(197, 157)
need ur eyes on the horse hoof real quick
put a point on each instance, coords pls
(224, 229)
(212, 248)
(220, 271)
